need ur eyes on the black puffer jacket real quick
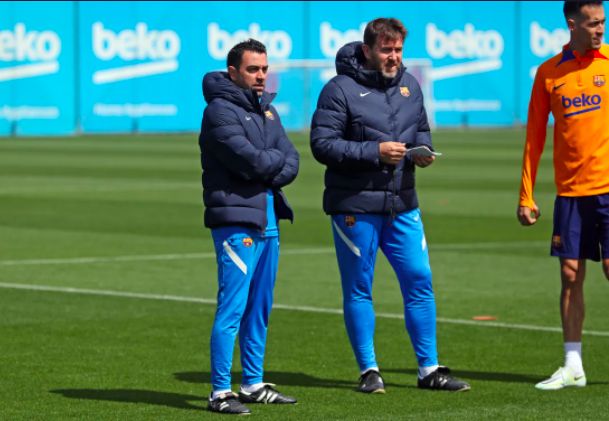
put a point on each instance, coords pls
(244, 152)
(357, 110)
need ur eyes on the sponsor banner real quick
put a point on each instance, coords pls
(143, 62)
(544, 33)
(37, 89)
(137, 67)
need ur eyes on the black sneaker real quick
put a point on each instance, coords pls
(442, 380)
(371, 382)
(266, 394)
(227, 403)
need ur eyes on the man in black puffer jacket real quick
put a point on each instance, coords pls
(368, 117)
(246, 159)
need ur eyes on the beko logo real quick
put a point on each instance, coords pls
(544, 42)
(582, 104)
(331, 40)
(158, 49)
(469, 43)
(483, 49)
(36, 52)
(219, 42)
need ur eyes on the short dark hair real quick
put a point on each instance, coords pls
(236, 53)
(391, 28)
(571, 8)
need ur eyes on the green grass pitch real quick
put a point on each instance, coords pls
(107, 281)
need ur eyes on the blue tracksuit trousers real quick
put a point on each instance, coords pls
(357, 239)
(247, 267)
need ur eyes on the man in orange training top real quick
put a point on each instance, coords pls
(573, 86)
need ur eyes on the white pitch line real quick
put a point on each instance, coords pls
(306, 309)
(286, 252)
(131, 258)
(85, 260)
(122, 294)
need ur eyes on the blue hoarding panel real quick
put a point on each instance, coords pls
(133, 72)
(545, 32)
(37, 90)
(142, 63)
(138, 66)
(473, 56)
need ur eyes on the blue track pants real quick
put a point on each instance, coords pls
(247, 267)
(357, 239)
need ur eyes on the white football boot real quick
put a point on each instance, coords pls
(563, 377)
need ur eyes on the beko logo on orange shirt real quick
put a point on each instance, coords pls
(587, 102)
(581, 101)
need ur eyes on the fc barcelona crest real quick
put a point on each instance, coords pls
(404, 91)
(269, 115)
(599, 80)
(247, 242)
(349, 220)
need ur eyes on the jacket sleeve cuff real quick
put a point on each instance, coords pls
(372, 153)
(423, 138)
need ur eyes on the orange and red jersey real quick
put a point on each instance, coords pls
(575, 88)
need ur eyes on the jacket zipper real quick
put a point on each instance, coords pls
(260, 112)
(392, 211)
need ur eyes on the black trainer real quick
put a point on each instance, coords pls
(266, 394)
(228, 403)
(442, 380)
(371, 382)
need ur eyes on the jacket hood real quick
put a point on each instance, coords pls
(219, 85)
(350, 62)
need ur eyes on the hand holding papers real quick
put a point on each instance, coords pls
(421, 151)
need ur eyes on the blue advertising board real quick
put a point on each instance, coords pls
(143, 62)
(545, 33)
(37, 89)
(473, 56)
(135, 74)
(95, 67)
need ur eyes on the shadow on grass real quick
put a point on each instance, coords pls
(477, 375)
(280, 378)
(173, 400)
(487, 376)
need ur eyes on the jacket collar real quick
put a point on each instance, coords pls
(219, 85)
